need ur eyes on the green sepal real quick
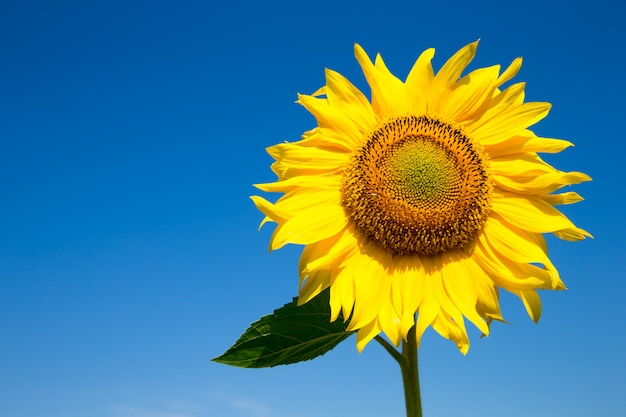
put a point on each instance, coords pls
(292, 334)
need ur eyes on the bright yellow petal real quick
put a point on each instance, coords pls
(388, 92)
(339, 248)
(507, 273)
(319, 92)
(272, 213)
(331, 117)
(520, 144)
(347, 99)
(292, 159)
(314, 216)
(366, 334)
(312, 286)
(419, 81)
(527, 173)
(390, 322)
(341, 294)
(535, 215)
(453, 330)
(329, 140)
(327, 252)
(521, 247)
(573, 234)
(447, 77)
(443, 299)
(469, 94)
(428, 310)
(569, 197)
(502, 102)
(460, 284)
(407, 289)
(539, 184)
(510, 123)
(531, 301)
(372, 287)
(453, 68)
(488, 301)
(395, 88)
(297, 184)
(510, 72)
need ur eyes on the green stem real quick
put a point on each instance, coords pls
(390, 349)
(410, 377)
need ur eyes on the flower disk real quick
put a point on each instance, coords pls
(418, 206)
(418, 186)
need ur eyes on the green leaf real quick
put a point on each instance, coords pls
(292, 334)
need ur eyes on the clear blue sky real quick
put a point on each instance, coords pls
(131, 133)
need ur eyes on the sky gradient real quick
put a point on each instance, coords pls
(131, 133)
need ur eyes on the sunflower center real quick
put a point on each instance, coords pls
(421, 171)
(418, 186)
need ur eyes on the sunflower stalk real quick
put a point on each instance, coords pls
(407, 359)
(410, 376)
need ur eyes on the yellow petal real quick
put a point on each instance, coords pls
(488, 302)
(453, 330)
(573, 234)
(319, 92)
(312, 286)
(428, 310)
(507, 273)
(448, 75)
(470, 93)
(301, 182)
(534, 214)
(459, 281)
(539, 184)
(510, 72)
(418, 82)
(451, 71)
(292, 159)
(349, 100)
(531, 301)
(341, 294)
(445, 303)
(520, 246)
(407, 289)
(331, 255)
(519, 164)
(371, 287)
(521, 144)
(331, 117)
(316, 215)
(527, 173)
(366, 334)
(502, 101)
(320, 250)
(328, 139)
(390, 322)
(511, 123)
(388, 92)
(272, 213)
(569, 197)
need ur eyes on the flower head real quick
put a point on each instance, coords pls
(423, 202)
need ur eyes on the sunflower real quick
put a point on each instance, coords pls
(424, 202)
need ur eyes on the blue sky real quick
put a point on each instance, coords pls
(131, 133)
